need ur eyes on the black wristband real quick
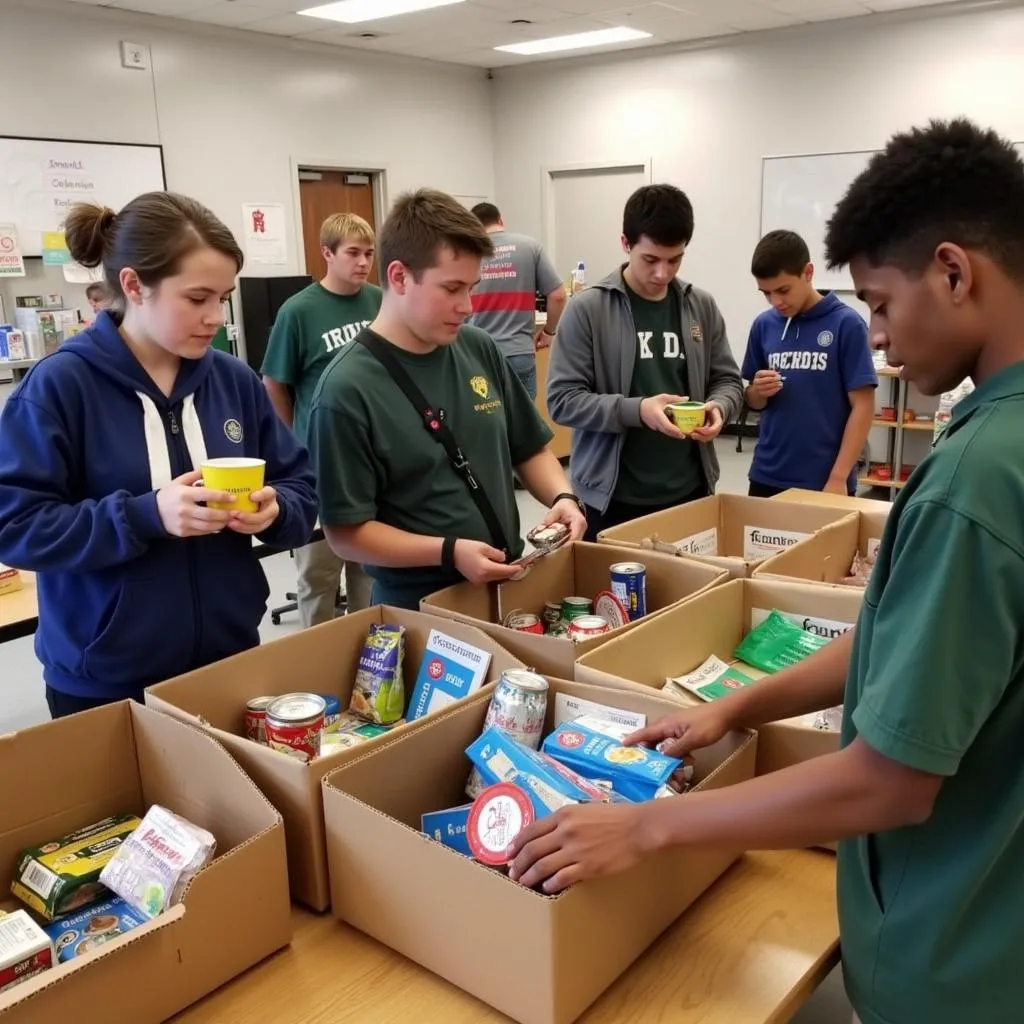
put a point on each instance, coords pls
(570, 497)
(448, 553)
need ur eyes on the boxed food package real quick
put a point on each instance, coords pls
(121, 760)
(325, 660)
(840, 554)
(10, 580)
(730, 531)
(577, 569)
(461, 919)
(715, 624)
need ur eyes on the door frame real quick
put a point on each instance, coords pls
(378, 183)
(547, 189)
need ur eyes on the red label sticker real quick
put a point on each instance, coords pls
(570, 739)
(436, 668)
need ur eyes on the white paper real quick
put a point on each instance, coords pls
(873, 545)
(700, 676)
(264, 231)
(568, 709)
(810, 623)
(75, 273)
(759, 542)
(703, 543)
(11, 262)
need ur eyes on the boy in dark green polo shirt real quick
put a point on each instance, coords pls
(310, 329)
(928, 788)
(389, 495)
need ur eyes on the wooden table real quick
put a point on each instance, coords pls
(801, 497)
(750, 951)
(19, 611)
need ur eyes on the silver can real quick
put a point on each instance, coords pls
(518, 708)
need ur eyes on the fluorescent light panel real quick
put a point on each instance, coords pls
(579, 41)
(353, 11)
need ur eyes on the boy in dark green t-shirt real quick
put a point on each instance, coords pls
(311, 328)
(927, 790)
(389, 495)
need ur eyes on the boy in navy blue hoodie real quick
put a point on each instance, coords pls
(810, 376)
(139, 579)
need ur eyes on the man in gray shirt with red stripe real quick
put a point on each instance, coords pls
(504, 301)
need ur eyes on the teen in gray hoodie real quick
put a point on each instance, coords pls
(627, 348)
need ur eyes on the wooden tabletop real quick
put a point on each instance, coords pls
(18, 610)
(750, 951)
(801, 497)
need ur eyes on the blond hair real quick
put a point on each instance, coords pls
(343, 227)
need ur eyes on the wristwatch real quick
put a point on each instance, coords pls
(570, 497)
(550, 334)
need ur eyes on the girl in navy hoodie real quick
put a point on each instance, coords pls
(139, 579)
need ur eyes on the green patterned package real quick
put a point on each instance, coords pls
(777, 643)
(379, 691)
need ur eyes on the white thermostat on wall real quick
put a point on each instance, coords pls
(135, 56)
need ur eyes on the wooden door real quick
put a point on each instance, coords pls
(331, 193)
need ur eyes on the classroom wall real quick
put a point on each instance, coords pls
(707, 117)
(233, 110)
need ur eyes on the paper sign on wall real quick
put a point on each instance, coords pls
(820, 627)
(55, 249)
(703, 543)
(264, 226)
(759, 543)
(11, 262)
(873, 545)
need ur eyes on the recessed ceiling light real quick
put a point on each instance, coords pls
(352, 11)
(579, 41)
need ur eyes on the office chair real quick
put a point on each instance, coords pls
(340, 604)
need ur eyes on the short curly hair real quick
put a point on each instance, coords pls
(948, 182)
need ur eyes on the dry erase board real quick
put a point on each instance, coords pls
(40, 179)
(799, 193)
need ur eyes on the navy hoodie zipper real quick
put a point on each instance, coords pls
(184, 459)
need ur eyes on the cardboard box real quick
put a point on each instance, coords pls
(537, 958)
(714, 623)
(576, 569)
(730, 531)
(826, 556)
(125, 758)
(320, 660)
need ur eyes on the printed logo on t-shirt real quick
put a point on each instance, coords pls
(816, 361)
(825, 339)
(482, 389)
(233, 431)
(696, 332)
(668, 348)
(339, 337)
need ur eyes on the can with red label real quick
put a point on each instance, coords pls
(586, 627)
(295, 724)
(497, 816)
(523, 622)
(256, 718)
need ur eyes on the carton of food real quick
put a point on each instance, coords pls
(25, 950)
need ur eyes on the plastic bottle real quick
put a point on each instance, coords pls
(947, 402)
(579, 278)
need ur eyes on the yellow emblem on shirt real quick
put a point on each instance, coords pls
(480, 386)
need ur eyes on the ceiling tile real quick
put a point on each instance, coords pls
(761, 19)
(225, 12)
(591, 6)
(283, 25)
(502, 11)
(898, 5)
(168, 8)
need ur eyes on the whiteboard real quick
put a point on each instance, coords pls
(799, 193)
(40, 179)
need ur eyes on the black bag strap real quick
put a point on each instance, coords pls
(434, 422)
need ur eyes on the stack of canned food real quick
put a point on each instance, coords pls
(579, 618)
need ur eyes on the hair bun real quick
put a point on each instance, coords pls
(87, 231)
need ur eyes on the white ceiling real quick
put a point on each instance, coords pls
(466, 33)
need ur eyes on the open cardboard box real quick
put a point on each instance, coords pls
(826, 556)
(537, 958)
(714, 623)
(576, 569)
(123, 758)
(730, 531)
(319, 660)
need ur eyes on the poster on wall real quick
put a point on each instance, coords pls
(263, 225)
(11, 262)
(55, 249)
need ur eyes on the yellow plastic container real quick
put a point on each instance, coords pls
(240, 477)
(687, 416)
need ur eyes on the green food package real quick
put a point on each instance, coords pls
(777, 643)
(379, 691)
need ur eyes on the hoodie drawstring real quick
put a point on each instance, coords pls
(157, 447)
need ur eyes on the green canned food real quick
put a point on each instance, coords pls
(574, 607)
